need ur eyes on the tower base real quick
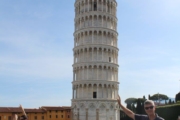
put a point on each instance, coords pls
(95, 110)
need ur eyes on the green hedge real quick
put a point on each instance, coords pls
(169, 112)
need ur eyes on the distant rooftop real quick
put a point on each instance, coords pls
(29, 110)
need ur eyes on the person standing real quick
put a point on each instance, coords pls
(14, 117)
(149, 107)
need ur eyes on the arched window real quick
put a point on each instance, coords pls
(95, 6)
(109, 59)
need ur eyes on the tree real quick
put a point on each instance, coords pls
(149, 97)
(169, 101)
(136, 105)
(130, 103)
(159, 97)
(177, 98)
(131, 100)
(129, 106)
(140, 106)
(133, 107)
(165, 102)
(144, 97)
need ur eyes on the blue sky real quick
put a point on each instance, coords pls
(36, 57)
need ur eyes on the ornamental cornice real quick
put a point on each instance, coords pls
(97, 103)
(89, 0)
(95, 63)
(104, 100)
(93, 13)
(95, 46)
(95, 29)
(95, 82)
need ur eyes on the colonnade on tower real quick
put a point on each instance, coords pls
(105, 6)
(95, 70)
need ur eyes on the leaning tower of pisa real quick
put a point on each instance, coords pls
(95, 69)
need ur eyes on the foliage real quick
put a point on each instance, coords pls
(177, 98)
(130, 103)
(169, 101)
(133, 107)
(144, 97)
(158, 97)
(169, 112)
(123, 116)
(129, 106)
(131, 100)
(136, 105)
(140, 106)
(149, 97)
(142, 100)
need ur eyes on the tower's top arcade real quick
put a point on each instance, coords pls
(96, 1)
(82, 7)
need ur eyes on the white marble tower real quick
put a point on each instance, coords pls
(95, 69)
